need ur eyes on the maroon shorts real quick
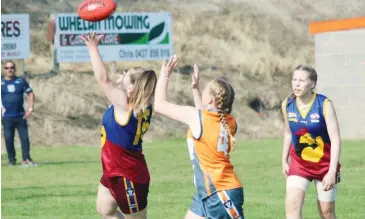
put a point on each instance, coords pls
(131, 197)
(297, 169)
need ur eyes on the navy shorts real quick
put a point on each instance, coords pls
(226, 204)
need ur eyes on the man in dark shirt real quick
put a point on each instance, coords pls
(13, 114)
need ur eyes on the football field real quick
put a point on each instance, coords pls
(65, 184)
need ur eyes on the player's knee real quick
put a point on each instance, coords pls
(8, 136)
(293, 205)
(104, 211)
(99, 210)
(327, 212)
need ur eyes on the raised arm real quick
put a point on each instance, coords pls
(185, 114)
(195, 88)
(117, 96)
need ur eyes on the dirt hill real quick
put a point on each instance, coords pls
(254, 43)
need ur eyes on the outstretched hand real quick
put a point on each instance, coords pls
(168, 67)
(195, 77)
(92, 40)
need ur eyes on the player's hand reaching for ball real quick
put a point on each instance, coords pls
(92, 40)
(168, 67)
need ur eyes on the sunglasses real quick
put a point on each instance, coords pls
(12, 67)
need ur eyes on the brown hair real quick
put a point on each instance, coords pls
(144, 88)
(311, 71)
(224, 97)
(312, 76)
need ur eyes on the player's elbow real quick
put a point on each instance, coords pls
(31, 96)
(102, 79)
(335, 140)
(287, 133)
(159, 106)
(198, 105)
(334, 134)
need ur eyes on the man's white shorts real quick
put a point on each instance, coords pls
(303, 183)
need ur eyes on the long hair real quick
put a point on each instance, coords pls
(224, 94)
(144, 82)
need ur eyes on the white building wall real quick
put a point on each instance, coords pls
(340, 64)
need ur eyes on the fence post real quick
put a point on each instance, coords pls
(21, 67)
(52, 47)
(113, 68)
(55, 64)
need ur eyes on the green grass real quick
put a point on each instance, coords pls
(65, 184)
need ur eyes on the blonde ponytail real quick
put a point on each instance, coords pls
(224, 97)
(144, 89)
